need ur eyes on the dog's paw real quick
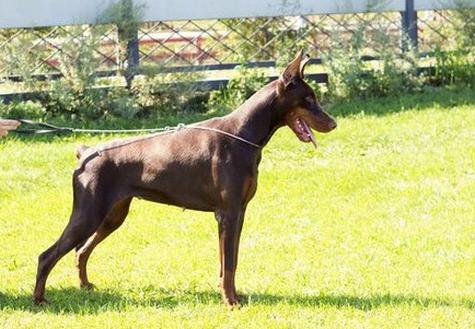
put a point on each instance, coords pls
(232, 302)
(40, 301)
(87, 286)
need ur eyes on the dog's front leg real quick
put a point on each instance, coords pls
(229, 228)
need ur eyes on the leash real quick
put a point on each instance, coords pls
(57, 129)
(225, 133)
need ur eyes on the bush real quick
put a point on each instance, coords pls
(464, 25)
(350, 77)
(246, 82)
(457, 66)
(17, 57)
(68, 102)
(22, 109)
(75, 93)
(169, 94)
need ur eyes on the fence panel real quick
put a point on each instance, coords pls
(214, 43)
(35, 13)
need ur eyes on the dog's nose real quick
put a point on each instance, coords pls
(332, 125)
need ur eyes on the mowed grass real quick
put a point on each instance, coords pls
(375, 229)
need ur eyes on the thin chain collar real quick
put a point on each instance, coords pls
(239, 138)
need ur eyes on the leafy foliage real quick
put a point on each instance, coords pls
(166, 93)
(351, 77)
(22, 109)
(457, 66)
(245, 83)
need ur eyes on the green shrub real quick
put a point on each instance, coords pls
(169, 94)
(454, 67)
(246, 82)
(350, 77)
(75, 94)
(464, 24)
(22, 109)
(65, 101)
(18, 59)
(120, 102)
(457, 65)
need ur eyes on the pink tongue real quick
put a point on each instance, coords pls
(309, 132)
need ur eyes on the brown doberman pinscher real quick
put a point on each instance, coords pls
(209, 166)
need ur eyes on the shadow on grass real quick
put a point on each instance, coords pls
(445, 98)
(362, 303)
(73, 300)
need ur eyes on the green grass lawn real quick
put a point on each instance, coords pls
(374, 229)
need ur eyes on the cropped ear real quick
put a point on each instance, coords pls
(304, 62)
(293, 70)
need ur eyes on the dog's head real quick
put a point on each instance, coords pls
(301, 110)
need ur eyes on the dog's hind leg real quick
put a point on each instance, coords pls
(87, 215)
(112, 222)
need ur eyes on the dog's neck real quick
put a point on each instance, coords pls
(258, 118)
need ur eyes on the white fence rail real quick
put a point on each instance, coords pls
(34, 13)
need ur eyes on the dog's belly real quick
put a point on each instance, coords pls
(179, 185)
(189, 203)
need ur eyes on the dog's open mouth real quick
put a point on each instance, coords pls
(303, 131)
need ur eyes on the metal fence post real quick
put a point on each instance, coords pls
(409, 26)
